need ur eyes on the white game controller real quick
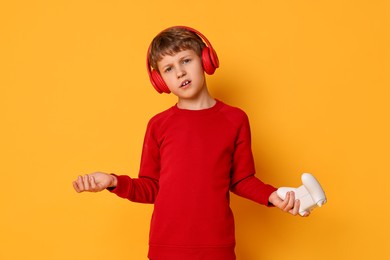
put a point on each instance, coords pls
(310, 194)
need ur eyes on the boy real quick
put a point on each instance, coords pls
(194, 153)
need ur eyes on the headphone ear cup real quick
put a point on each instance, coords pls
(158, 82)
(214, 58)
(207, 62)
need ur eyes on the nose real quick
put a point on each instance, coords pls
(180, 72)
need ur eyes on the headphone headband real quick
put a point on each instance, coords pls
(210, 61)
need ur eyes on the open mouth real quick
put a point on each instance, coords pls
(185, 83)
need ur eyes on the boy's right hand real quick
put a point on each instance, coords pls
(94, 182)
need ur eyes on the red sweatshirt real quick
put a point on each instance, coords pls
(190, 161)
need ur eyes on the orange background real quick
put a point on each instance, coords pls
(313, 77)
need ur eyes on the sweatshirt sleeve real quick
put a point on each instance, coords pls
(242, 161)
(244, 183)
(254, 189)
(143, 190)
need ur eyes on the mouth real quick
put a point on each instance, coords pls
(185, 83)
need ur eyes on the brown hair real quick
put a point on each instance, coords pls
(172, 41)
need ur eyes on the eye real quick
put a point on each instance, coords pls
(185, 61)
(168, 69)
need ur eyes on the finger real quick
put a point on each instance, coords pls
(284, 203)
(297, 205)
(93, 183)
(307, 213)
(295, 209)
(80, 184)
(289, 201)
(86, 182)
(76, 187)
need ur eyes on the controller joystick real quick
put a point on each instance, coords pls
(310, 194)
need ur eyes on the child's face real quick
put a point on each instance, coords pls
(183, 73)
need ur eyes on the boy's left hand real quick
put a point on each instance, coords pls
(289, 204)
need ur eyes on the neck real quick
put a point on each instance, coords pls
(200, 103)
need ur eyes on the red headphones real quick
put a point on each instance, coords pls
(209, 61)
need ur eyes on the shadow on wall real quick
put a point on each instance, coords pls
(258, 227)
